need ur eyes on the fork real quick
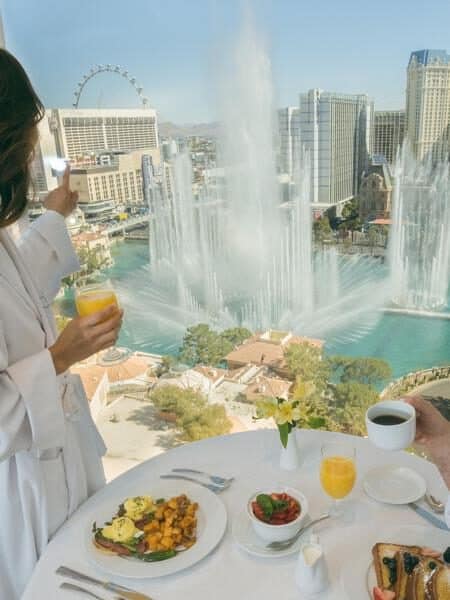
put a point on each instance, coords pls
(212, 487)
(288, 543)
(214, 478)
(76, 588)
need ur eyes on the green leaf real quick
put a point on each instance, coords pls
(279, 505)
(316, 422)
(284, 433)
(266, 503)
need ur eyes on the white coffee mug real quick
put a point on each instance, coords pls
(391, 437)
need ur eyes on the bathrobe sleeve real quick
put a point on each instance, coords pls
(47, 250)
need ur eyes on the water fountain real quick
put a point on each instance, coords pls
(244, 257)
(237, 255)
(420, 237)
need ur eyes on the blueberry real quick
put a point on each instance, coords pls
(432, 565)
(447, 555)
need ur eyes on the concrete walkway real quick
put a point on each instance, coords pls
(132, 434)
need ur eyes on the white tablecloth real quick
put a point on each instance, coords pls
(229, 573)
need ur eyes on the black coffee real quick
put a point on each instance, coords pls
(389, 420)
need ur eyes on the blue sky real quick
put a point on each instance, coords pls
(171, 47)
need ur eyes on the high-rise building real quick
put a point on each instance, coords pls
(80, 132)
(111, 185)
(336, 129)
(289, 138)
(428, 104)
(42, 175)
(389, 132)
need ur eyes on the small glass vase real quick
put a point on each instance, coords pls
(290, 456)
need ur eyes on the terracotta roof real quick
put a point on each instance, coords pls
(257, 352)
(212, 373)
(267, 386)
(271, 354)
(91, 374)
(131, 368)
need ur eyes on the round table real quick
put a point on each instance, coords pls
(229, 572)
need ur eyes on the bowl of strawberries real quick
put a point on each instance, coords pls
(276, 516)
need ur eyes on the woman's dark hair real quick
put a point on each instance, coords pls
(20, 112)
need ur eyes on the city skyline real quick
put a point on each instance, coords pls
(173, 50)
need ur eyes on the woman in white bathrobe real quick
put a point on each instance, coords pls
(50, 450)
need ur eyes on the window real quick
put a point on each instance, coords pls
(315, 245)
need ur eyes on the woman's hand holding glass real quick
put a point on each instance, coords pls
(85, 336)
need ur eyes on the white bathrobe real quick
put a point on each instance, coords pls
(49, 446)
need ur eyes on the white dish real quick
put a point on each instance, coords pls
(212, 521)
(358, 574)
(394, 485)
(246, 538)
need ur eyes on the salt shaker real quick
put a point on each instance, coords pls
(311, 574)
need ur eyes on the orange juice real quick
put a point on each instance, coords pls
(92, 301)
(337, 476)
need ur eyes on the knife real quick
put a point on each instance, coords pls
(107, 585)
(428, 516)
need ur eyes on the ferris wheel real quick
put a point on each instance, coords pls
(97, 69)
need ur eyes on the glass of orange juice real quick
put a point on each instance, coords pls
(338, 473)
(90, 299)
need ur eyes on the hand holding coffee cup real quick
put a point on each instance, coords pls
(391, 425)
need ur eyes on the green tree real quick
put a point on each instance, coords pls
(236, 335)
(195, 418)
(368, 371)
(322, 229)
(304, 362)
(349, 405)
(350, 214)
(167, 364)
(202, 345)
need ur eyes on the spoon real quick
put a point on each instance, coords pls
(434, 504)
(287, 543)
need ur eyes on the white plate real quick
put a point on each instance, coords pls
(246, 538)
(394, 485)
(358, 573)
(211, 525)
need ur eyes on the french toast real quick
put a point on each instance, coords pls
(438, 586)
(385, 562)
(406, 562)
(417, 584)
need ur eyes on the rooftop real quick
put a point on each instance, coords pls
(430, 57)
(92, 374)
(268, 386)
(266, 351)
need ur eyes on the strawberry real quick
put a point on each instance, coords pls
(379, 594)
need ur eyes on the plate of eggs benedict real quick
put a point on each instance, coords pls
(156, 532)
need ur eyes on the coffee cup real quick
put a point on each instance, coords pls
(391, 425)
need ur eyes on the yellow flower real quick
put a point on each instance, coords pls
(285, 413)
(266, 409)
(303, 389)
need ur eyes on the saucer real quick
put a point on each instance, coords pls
(246, 538)
(394, 485)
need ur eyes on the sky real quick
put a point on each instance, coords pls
(174, 48)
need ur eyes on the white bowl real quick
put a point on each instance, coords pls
(278, 533)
